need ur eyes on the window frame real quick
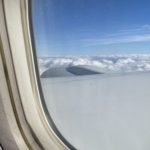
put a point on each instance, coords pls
(37, 130)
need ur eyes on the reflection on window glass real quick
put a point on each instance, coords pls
(94, 64)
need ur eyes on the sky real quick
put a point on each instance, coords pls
(91, 27)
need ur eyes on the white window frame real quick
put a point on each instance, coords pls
(29, 124)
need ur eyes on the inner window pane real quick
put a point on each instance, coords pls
(94, 66)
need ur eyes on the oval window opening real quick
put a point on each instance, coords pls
(94, 66)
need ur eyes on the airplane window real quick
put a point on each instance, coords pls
(94, 67)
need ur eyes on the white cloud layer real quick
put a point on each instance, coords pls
(110, 63)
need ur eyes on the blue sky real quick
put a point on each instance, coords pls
(91, 27)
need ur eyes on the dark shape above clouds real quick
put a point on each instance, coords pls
(69, 71)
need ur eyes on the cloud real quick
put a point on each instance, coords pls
(106, 63)
(118, 40)
(138, 34)
(143, 28)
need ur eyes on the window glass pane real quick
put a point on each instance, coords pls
(94, 64)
